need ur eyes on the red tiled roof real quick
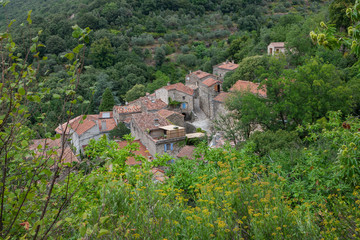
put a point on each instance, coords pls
(248, 86)
(146, 121)
(78, 124)
(180, 87)
(186, 151)
(200, 74)
(127, 109)
(210, 81)
(221, 97)
(228, 66)
(277, 44)
(166, 113)
(48, 144)
(155, 104)
(142, 151)
(110, 124)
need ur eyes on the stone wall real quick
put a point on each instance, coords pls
(182, 97)
(207, 95)
(162, 94)
(218, 109)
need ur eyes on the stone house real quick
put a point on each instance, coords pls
(275, 48)
(156, 133)
(81, 130)
(221, 69)
(209, 89)
(180, 93)
(195, 78)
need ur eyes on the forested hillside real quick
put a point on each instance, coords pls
(290, 167)
(150, 43)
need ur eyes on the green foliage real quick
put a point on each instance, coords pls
(134, 93)
(119, 131)
(268, 141)
(102, 53)
(107, 101)
(245, 71)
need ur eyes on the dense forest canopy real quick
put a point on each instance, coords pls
(297, 178)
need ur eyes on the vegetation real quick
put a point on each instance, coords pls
(297, 178)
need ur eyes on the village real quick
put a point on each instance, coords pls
(162, 122)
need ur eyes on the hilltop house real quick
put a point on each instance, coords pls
(180, 93)
(156, 133)
(221, 69)
(276, 47)
(82, 129)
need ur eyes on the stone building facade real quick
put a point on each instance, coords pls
(276, 48)
(180, 93)
(209, 89)
(219, 105)
(153, 131)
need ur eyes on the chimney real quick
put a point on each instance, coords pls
(227, 61)
(147, 94)
(156, 122)
(190, 72)
(232, 61)
(103, 125)
(168, 84)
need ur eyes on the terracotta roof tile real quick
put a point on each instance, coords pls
(228, 66)
(200, 74)
(80, 125)
(110, 124)
(142, 151)
(277, 44)
(248, 86)
(166, 113)
(127, 109)
(180, 87)
(221, 97)
(47, 144)
(186, 151)
(146, 121)
(210, 81)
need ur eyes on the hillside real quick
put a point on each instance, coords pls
(279, 158)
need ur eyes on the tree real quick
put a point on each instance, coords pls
(102, 53)
(246, 71)
(159, 56)
(32, 199)
(107, 101)
(135, 92)
(119, 132)
(328, 36)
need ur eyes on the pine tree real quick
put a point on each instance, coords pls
(107, 101)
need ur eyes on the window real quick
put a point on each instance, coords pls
(172, 146)
(183, 97)
(165, 148)
(183, 105)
